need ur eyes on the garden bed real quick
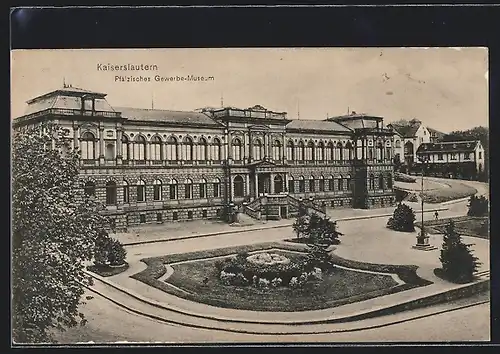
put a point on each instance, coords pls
(106, 270)
(457, 190)
(199, 281)
(465, 225)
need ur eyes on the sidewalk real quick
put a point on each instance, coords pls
(205, 228)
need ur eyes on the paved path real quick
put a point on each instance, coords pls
(109, 323)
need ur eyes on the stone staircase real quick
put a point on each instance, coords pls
(270, 206)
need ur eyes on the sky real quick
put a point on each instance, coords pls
(445, 88)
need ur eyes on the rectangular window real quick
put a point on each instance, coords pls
(157, 192)
(175, 216)
(302, 186)
(141, 193)
(331, 185)
(126, 194)
(480, 154)
(311, 185)
(321, 185)
(190, 214)
(216, 190)
(173, 191)
(291, 186)
(202, 190)
(440, 156)
(142, 218)
(453, 156)
(159, 217)
(188, 191)
(204, 213)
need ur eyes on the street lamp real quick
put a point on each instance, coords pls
(422, 237)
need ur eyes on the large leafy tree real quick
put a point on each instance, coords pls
(55, 226)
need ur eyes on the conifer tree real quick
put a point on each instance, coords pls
(403, 219)
(458, 261)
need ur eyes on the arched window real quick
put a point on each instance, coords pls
(329, 152)
(216, 187)
(389, 181)
(140, 148)
(388, 150)
(277, 150)
(237, 149)
(372, 182)
(380, 181)
(172, 189)
(172, 149)
(321, 183)
(141, 191)
(302, 184)
(238, 187)
(216, 150)
(348, 182)
(301, 150)
(188, 189)
(202, 149)
(370, 153)
(278, 184)
(258, 149)
(111, 193)
(290, 151)
(187, 149)
(310, 151)
(340, 183)
(126, 192)
(320, 151)
(110, 152)
(350, 150)
(291, 185)
(339, 152)
(312, 184)
(89, 188)
(202, 186)
(156, 153)
(125, 148)
(157, 190)
(88, 146)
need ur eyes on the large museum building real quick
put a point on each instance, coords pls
(152, 165)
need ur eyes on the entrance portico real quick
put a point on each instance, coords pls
(267, 178)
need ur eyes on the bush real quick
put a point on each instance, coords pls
(412, 197)
(478, 206)
(109, 251)
(458, 262)
(403, 219)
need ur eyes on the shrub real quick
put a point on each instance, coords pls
(403, 219)
(109, 251)
(294, 282)
(458, 262)
(478, 206)
(276, 282)
(412, 197)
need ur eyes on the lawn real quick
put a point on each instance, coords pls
(457, 190)
(199, 282)
(464, 225)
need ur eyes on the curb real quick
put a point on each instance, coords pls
(161, 319)
(456, 201)
(226, 232)
(429, 299)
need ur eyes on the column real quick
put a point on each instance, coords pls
(256, 185)
(250, 148)
(76, 131)
(101, 146)
(246, 157)
(266, 145)
(227, 147)
(285, 187)
(147, 150)
(247, 184)
(119, 147)
(271, 182)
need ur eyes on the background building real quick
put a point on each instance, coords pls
(150, 165)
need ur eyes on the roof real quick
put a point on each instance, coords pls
(65, 99)
(435, 132)
(69, 91)
(456, 146)
(407, 131)
(322, 125)
(161, 115)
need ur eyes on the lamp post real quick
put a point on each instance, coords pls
(422, 237)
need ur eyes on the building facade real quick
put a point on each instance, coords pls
(150, 165)
(455, 159)
(407, 140)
